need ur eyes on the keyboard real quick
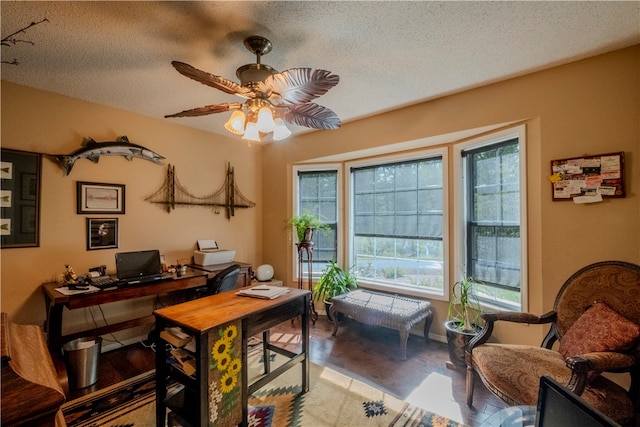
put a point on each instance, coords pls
(145, 280)
(102, 282)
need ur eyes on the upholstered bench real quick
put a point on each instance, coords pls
(379, 309)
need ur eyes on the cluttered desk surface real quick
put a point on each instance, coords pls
(56, 301)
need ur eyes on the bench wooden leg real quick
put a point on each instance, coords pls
(427, 325)
(404, 337)
(334, 317)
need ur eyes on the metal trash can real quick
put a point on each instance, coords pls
(82, 361)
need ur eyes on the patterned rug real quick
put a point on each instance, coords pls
(334, 399)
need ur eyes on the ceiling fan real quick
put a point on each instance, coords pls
(272, 97)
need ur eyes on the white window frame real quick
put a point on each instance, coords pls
(337, 167)
(399, 157)
(460, 206)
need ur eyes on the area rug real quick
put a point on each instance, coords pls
(334, 399)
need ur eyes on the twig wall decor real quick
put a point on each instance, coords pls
(172, 193)
(12, 39)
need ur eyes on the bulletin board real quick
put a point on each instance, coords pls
(599, 176)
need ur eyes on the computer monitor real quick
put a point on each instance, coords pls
(559, 407)
(139, 264)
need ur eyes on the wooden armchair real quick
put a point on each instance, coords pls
(596, 320)
(31, 392)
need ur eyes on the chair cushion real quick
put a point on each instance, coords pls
(512, 372)
(600, 328)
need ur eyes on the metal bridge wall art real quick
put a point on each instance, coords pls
(172, 194)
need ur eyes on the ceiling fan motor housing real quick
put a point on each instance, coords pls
(252, 73)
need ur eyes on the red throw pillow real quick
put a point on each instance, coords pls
(600, 328)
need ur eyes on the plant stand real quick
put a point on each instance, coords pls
(307, 248)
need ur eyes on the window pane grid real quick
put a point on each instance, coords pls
(493, 224)
(393, 199)
(397, 223)
(317, 194)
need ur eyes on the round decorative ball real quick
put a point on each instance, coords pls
(264, 272)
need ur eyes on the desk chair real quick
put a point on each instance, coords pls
(596, 320)
(226, 280)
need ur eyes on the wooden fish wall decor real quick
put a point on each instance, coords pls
(92, 150)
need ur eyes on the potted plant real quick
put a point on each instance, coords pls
(333, 281)
(462, 318)
(305, 224)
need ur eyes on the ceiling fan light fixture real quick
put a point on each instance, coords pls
(281, 131)
(251, 132)
(265, 120)
(235, 124)
(272, 97)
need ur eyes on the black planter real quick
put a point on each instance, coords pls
(457, 342)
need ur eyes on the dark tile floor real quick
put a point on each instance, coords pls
(366, 353)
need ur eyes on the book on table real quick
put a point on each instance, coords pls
(175, 336)
(263, 291)
(184, 361)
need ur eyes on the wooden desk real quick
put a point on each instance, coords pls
(56, 301)
(207, 320)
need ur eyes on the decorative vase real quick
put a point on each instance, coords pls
(457, 342)
(264, 273)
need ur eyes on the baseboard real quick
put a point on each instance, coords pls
(122, 343)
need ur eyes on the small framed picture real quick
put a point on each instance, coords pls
(6, 170)
(95, 197)
(102, 233)
(29, 186)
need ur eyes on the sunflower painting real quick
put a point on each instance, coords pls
(225, 376)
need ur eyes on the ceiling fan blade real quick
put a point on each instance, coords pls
(298, 85)
(207, 109)
(214, 81)
(312, 116)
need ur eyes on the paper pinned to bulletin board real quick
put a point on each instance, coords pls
(588, 179)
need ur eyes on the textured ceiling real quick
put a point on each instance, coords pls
(387, 54)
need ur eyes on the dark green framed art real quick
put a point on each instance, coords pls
(20, 198)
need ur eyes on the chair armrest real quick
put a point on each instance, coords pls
(508, 316)
(601, 362)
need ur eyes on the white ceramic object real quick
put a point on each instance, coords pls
(264, 272)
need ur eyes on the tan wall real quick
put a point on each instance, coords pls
(44, 122)
(587, 107)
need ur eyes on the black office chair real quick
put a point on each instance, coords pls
(223, 281)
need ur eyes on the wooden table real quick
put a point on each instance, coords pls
(56, 301)
(205, 319)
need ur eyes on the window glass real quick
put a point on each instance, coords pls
(318, 194)
(493, 253)
(397, 217)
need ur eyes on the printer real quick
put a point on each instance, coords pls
(208, 253)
